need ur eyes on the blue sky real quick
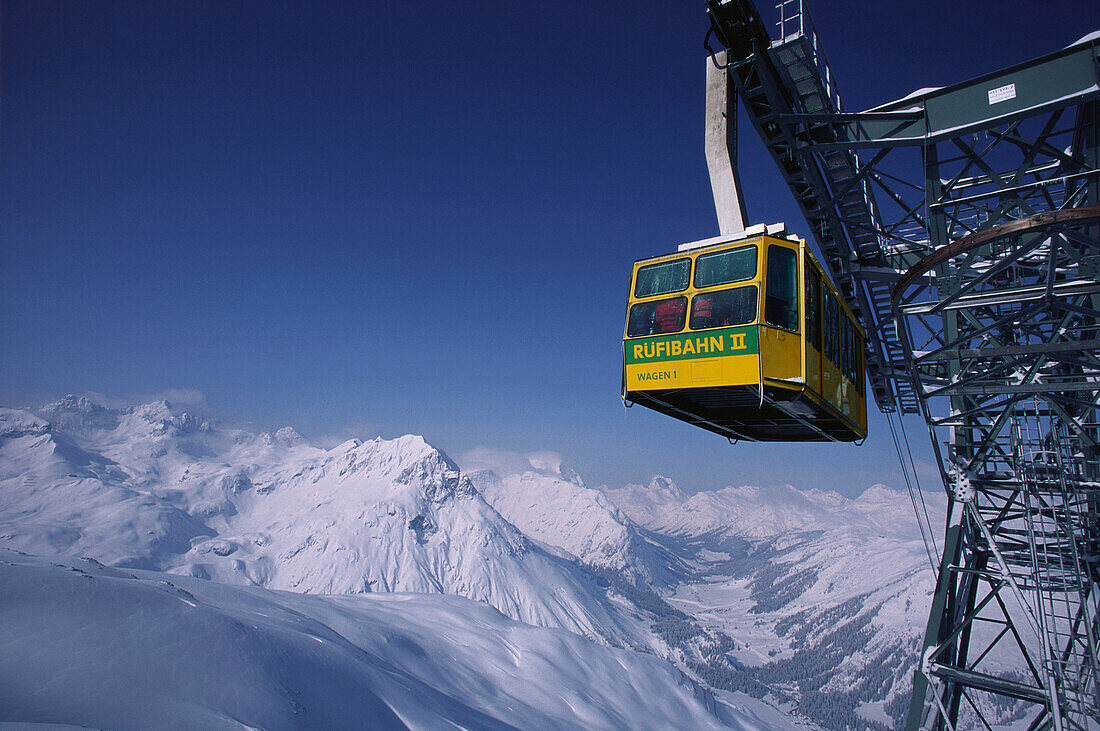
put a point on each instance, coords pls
(382, 218)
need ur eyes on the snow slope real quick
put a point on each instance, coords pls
(781, 579)
(58, 498)
(559, 510)
(826, 596)
(97, 647)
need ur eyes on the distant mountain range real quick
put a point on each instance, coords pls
(811, 600)
(798, 600)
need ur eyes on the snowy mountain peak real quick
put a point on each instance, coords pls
(80, 413)
(888, 510)
(347, 446)
(551, 464)
(758, 512)
(285, 437)
(407, 460)
(74, 403)
(783, 497)
(744, 491)
(645, 504)
(663, 487)
(169, 491)
(167, 420)
(165, 490)
(581, 521)
(880, 494)
(15, 423)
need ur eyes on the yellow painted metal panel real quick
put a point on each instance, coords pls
(706, 371)
(831, 384)
(718, 357)
(732, 370)
(782, 353)
(813, 368)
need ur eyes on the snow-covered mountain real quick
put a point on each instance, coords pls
(59, 498)
(755, 512)
(826, 596)
(156, 488)
(558, 510)
(807, 599)
(94, 647)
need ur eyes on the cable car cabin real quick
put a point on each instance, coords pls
(746, 338)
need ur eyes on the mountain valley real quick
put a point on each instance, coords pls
(783, 607)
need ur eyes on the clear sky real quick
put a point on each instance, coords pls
(380, 218)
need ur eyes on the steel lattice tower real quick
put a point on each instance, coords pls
(962, 225)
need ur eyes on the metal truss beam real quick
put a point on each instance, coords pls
(1019, 378)
(962, 226)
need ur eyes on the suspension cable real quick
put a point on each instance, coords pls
(905, 470)
(920, 492)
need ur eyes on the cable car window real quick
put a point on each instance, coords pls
(830, 329)
(781, 290)
(851, 359)
(724, 267)
(842, 328)
(813, 306)
(859, 365)
(662, 278)
(726, 307)
(653, 318)
(857, 360)
(852, 362)
(846, 347)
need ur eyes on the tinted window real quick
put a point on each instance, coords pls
(727, 307)
(723, 267)
(853, 354)
(846, 349)
(653, 318)
(831, 327)
(668, 276)
(857, 364)
(813, 307)
(781, 290)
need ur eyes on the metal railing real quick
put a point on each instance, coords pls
(794, 21)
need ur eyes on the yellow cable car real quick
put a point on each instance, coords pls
(746, 338)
